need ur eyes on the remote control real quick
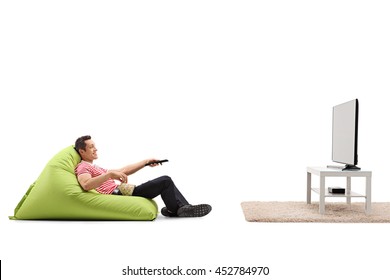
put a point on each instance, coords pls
(157, 161)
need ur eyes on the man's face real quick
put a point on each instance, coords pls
(90, 151)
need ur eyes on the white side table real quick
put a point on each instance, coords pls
(323, 172)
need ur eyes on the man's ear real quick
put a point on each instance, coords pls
(81, 152)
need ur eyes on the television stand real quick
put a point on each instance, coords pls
(324, 172)
(351, 167)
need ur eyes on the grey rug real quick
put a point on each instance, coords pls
(301, 212)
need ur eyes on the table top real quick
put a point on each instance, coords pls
(329, 171)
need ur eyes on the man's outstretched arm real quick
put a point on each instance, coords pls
(132, 168)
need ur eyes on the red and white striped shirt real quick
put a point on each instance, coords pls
(85, 167)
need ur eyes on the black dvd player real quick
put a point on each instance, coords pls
(336, 190)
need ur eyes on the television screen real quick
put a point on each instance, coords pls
(345, 134)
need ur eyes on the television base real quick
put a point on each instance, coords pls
(351, 167)
(346, 167)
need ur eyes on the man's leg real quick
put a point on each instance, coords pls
(165, 187)
(176, 204)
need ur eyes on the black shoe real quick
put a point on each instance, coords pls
(194, 210)
(166, 213)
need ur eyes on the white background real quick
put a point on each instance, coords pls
(236, 94)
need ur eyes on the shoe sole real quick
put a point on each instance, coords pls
(194, 210)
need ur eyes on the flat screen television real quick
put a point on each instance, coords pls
(345, 134)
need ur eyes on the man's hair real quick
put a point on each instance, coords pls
(80, 142)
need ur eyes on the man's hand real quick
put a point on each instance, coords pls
(118, 175)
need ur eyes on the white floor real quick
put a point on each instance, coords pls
(100, 250)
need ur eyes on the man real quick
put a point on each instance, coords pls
(91, 176)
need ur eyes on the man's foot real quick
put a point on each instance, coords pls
(166, 213)
(199, 210)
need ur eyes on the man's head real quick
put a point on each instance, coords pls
(86, 148)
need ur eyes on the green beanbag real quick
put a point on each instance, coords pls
(57, 195)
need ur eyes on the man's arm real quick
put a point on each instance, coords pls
(88, 183)
(132, 168)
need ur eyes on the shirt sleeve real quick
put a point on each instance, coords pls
(82, 168)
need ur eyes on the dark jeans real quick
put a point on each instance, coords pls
(165, 187)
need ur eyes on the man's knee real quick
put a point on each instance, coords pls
(166, 179)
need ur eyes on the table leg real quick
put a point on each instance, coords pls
(348, 190)
(322, 194)
(368, 194)
(308, 190)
